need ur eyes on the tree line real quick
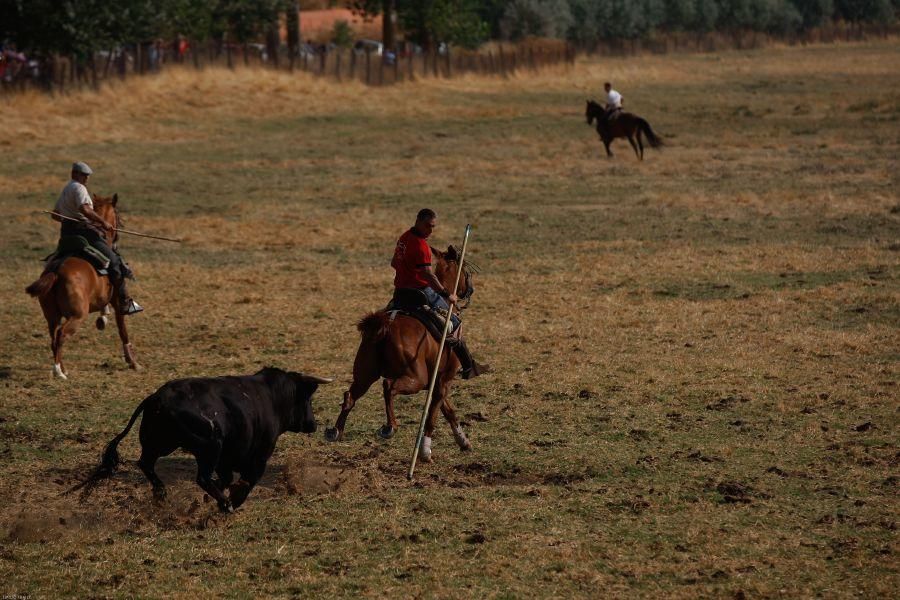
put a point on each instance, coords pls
(80, 28)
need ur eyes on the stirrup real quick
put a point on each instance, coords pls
(130, 308)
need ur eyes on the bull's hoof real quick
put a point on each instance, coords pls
(386, 432)
(332, 434)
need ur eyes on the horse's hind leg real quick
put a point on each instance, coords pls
(51, 314)
(63, 332)
(390, 426)
(634, 146)
(640, 143)
(365, 373)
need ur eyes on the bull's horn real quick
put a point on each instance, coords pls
(316, 379)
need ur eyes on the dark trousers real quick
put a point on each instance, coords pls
(96, 240)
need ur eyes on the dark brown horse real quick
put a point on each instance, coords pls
(624, 125)
(400, 350)
(76, 290)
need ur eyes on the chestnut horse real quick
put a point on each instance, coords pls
(401, 351)
(76, 290)
(626, 125)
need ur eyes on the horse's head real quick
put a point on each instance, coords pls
(446, 266)
(106, 209)
(592, 110)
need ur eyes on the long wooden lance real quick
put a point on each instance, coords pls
(437, 361)
(146, 235)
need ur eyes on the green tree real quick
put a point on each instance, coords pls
(342, 34)
(428, 22)
(540, 18)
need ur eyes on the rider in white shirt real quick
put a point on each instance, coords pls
(613, 101)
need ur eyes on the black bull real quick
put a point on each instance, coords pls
(228, 423)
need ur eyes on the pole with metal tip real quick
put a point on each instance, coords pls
(146, 235)
(437, 362)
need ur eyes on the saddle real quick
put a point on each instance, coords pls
(76, 245)
(413, 303)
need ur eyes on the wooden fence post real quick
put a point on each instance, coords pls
(368, 67)
(352, 64)
(337, 64)
(449, 72)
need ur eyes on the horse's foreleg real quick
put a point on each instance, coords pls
(606, 143)
(450, 415)
(634, 146)
(640, 142)
(127, 350)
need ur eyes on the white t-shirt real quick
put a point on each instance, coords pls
(614, 98)
(72, 198)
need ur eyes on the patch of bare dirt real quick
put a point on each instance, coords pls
(309, 477)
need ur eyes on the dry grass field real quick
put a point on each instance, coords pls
(696, 387)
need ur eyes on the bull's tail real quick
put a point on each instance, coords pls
(110, 460)
(43, 285)
(655, 140)
(374, 326)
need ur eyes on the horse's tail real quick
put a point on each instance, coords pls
(110, 460)
(655, 141)
(374, 326)
(43, 285)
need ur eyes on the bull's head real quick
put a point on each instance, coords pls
(304, 421)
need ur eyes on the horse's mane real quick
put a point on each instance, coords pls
(469, 268)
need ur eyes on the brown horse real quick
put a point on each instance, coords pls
(76, 290)
(624, 125)
(400, 350)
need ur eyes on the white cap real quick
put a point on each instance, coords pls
(80, 167)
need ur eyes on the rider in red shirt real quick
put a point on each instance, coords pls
(412, 263)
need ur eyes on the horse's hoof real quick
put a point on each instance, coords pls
(159, 494)
(101, 323)
(134, 366)
(467, 447)
(58, 371)
(332, 434)
(226, 507)
(386, 432)
(425, 450)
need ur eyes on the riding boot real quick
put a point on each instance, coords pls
(470, 368)
(127, 305)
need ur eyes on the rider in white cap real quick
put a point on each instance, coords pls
(75, 202)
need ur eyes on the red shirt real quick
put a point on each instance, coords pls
(411, 257)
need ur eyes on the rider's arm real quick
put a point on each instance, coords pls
(89, 213)
(436, 285)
